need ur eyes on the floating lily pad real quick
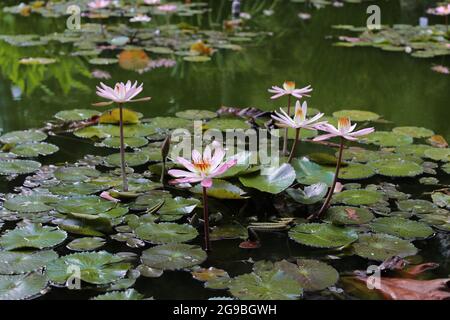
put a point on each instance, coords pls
(380, 247)
(194, 114)
(86, 244)
(178, 206)
(95, 267)
(170, 123)
(441, 199)
(84, 205)
(16, 137)
(229, 231)
(77, 188)
(417, 150)
(356, 171)
(446, 168)
(358, 197)
(438, 154)
(416, 206)
(76, 174)
(343, 215)
(16, 166)
(308, 172)
(415, 132)
(163, 233)
(309, 195)
(396, 168)
(173, 256)
(32, 236)
(274, 180)
(221, 189)
(387, 139)
(103, 61)
(30, 204)
(135, 142)
(311, 275)
(21, 287)
(357, 115)
(34, 149)
(129, 294)
(322, 235)
(401, 227)
(197, 58)
(12, 262)
(132, 159)
(76, 114)
(359, 155)
(108, 130)
(223, 124)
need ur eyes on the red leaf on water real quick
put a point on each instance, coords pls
(249, 245)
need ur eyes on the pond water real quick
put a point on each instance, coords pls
(401, 88)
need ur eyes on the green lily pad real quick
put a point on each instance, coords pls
(223, 124)
(132, 142)
(358, 197)
(84, 205)
(417, 150)
(170, 123)
(23, 286)
(446, 168)
(359, 155)
(221, 189)
(322, 235)
(401, 227)
(380, 247)
(173, 256)
(30, 204)
(34, 149)
(12, 262)
(414, 132)
(16, 166)
(356, 171)
(109, 130)
(77, 188)
(229, 231)
(32, 235)
(274, 180)
(344, 215)
(95, 267)
(438, 154)
(311, 275)
(86, 244)
(76, 174)
(309, 195)
(132, 159)
(308, 172)
(76, 114)
(416, 206)
(396, 168)
(441, 199)
(16, 137)
(103, 61)
(387, 139)
(197, 58)
(129, 294)
(178, 206)
(195, 114)
(163, 233)
(357, 115)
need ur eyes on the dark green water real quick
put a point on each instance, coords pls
(402, 89)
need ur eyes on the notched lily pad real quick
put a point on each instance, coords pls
(416, 206)
(357, 115)
(23, 286)
(86, 244)
(396, 168)
(173, 256)
(16, 137)
(387, 139)
(76, 114)
(401, 227)
(415, 132)
(380, 247)
(129, 294)
(32, 235)
(358, 197)
(322, 235)
(16, 166)
(34, 149)
(344, 215)
(12, 262)
(274, 180)
(356, 171)
(163, 233)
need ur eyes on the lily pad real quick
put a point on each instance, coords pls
(34, 149)
(416, 206)
(358, 197)
(221, 189)
(76, 174)
(30, 204)
(401, 227)
(359, 155)
(356, 171)
(414, 132)
(132, 159)
(129, 294)
(417, 150)
(84, 205)
(441, 199)
(274, 180)
(76, 114)
(344, 215)
(16, 137)
(308, 172)
(380, 247)
(170, 123)
(229, 231)
(86, 244)
(12, 262)
(95, 267)
(197, 58)
(224, 124)
(32, 236)
(357, 115)
(173, 256)
(135, 142)
(309, 195)
(16, 166)
(396, 168)
(322, 235)
(438, 154)
(387, 139)
(195, 114)
(77, 188)
(21, 287)
(163, 233)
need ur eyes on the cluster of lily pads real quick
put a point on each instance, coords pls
(58, 223)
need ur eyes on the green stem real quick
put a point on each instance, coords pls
(206, 220)
(326, 204)
(294, 146)
(285, 142)
(122, 152)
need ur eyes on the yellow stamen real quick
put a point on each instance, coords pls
(202, 166)
(289, 85)
(343, 122)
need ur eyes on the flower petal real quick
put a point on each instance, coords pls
(207, 183)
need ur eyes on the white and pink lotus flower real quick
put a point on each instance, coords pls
(290, 89)
(121, 93)
(344, 130)
(299, 121)
(99, 4)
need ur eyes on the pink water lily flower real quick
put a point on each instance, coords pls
(299, 120)
(167, 7)
(289, 89)
(202, 168)
(141, 18)
(99, 4)
(122, 93)
(345, 130)
(440, 11)
(152, 2)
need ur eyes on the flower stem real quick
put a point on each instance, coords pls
(326, 204)
(285, 142)
(122, 152)
(206, 220)
(294, 146)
